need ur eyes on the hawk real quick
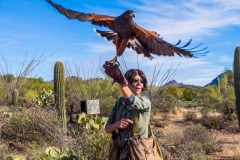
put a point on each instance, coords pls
(125, 33)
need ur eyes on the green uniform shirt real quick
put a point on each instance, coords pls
(140, 103)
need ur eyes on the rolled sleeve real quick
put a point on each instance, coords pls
(129, 100)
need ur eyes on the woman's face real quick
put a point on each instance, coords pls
(137, 85)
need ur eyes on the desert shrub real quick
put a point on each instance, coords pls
(3, 150)
(189, 104)
(33, 149)
(193, 143)
(1, 91)
(201, 138)
(190, 116)
(200, 156)
(232, 126)
(34, 124)
(159, 123)
(93, 145)
(164, 98)
(231, 116)
(171, 145)
(4, 108)
(174, 137)
(166, 102)
(38, 85)
(189, 95)
(31, 94)
(213, 122)
(219, 98)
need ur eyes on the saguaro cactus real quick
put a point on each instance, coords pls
(59, 91)
(15, 97)
(237, 80)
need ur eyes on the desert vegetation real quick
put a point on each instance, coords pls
(36, 125)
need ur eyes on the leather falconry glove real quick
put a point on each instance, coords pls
(113, 71)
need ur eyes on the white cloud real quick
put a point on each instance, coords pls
(6, 41)
(225, 59)
(99, 47)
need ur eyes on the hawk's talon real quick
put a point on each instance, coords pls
(114, 61)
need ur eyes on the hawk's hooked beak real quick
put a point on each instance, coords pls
(133, 14)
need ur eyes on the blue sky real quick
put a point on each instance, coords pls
(35, 27)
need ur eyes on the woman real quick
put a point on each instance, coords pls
(131, 85)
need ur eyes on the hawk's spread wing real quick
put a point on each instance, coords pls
(140, 40)
(100, 20)
(154, 44)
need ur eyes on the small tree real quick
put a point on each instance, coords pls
(189, 95)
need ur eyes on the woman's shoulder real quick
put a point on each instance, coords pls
(143, 97)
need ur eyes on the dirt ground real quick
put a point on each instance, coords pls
(230, 142)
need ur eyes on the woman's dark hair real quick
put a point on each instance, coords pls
(131, 73)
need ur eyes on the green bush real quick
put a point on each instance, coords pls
(31, 94)
(34, 124)
(93, 145)
(3, 150)
(189, 95)
(199, 139)
(159, 123)
(213, 122)
(190, 116)
(34, 149)
(200, 156)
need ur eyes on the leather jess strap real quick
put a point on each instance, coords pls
(135, 114)
(136, 133)
(117, 118)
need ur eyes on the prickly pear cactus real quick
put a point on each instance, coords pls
(55, 153)
(35, 158)
(15, 97)
(19, 157)
(237, 80)
(45, 98)
(8, 158)
(59, 91)
(92, 123)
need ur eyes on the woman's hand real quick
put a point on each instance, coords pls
(113, 71)
(123, 123)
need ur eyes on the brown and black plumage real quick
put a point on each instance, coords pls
(126, 33)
